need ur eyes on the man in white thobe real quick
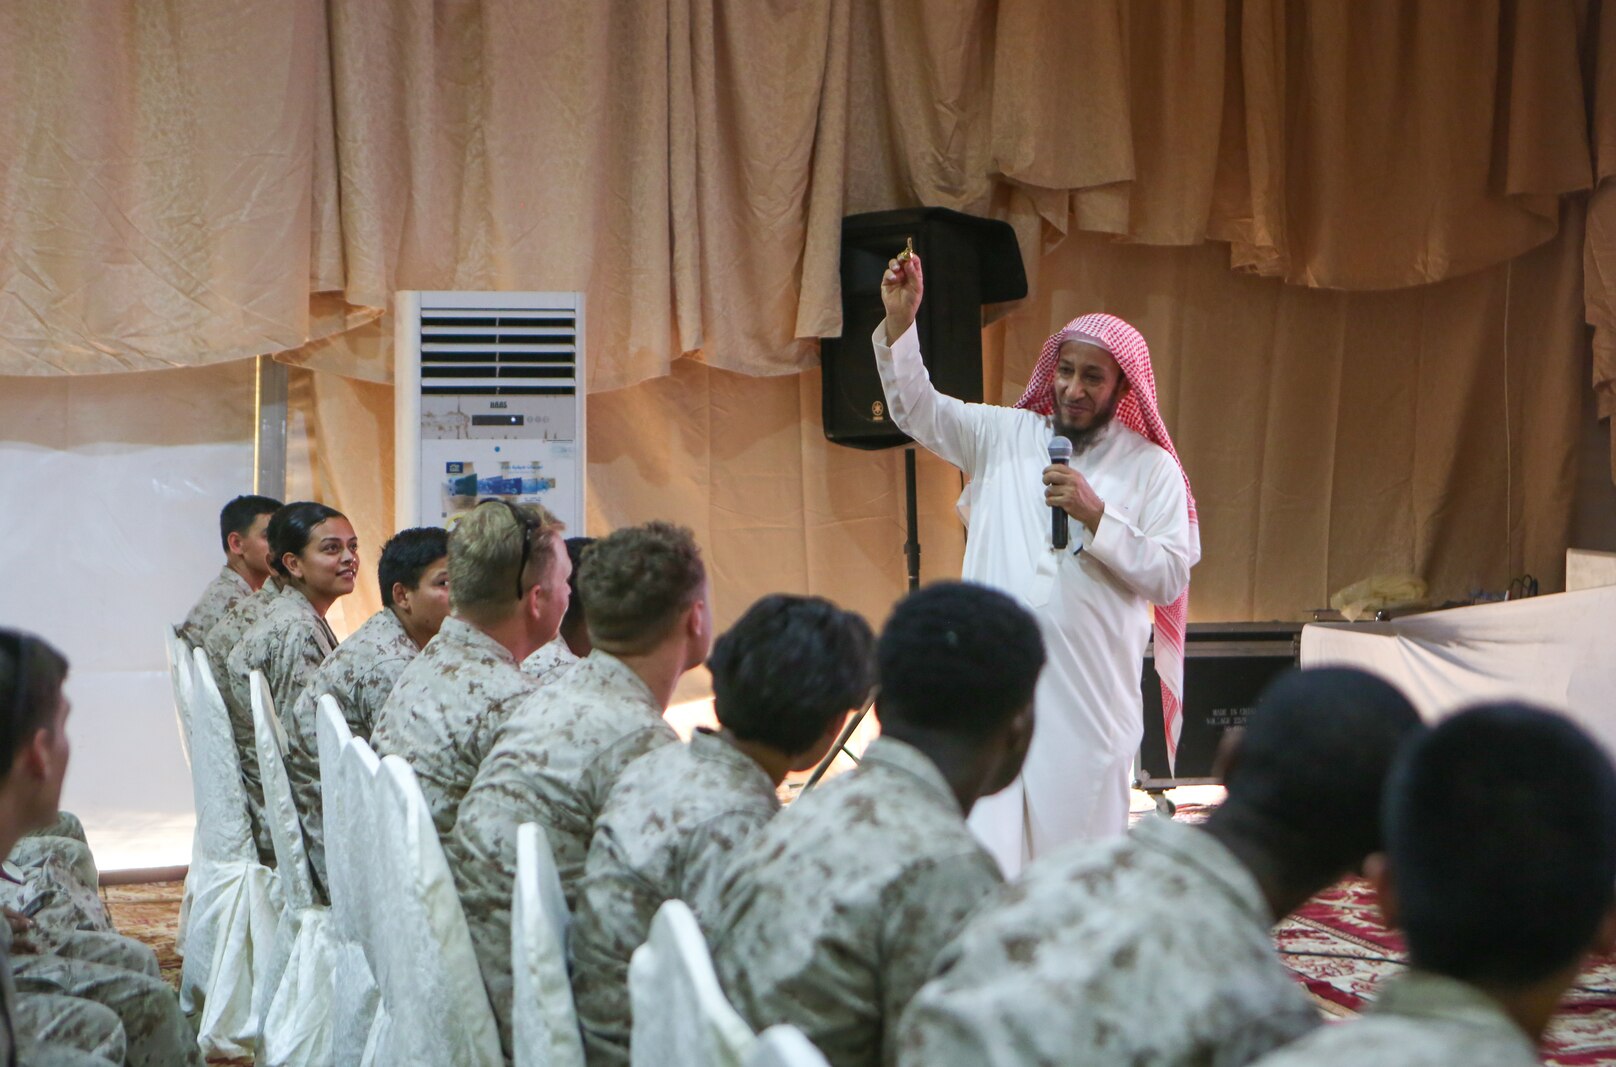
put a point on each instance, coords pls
(1133, 538)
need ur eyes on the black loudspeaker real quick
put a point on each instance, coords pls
(969, 262)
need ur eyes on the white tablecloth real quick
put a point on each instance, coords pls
(1558, 651)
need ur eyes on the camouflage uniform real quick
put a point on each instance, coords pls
(61, 1030)
(550, 661)
(75, 975)
(833, 913)
(218, 645)
(445, 709)
(286, 644)
(1418, 1020)
(66, 825)
(553, 763)
(157, 1034)
(360, 674)
(1150, 948)
(220, 596)
(61, 870)
(669, 828)
(235, 623)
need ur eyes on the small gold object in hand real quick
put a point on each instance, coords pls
(908, 249)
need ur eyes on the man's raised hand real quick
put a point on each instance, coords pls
(901, 286)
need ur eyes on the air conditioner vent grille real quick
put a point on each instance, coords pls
(499, 351)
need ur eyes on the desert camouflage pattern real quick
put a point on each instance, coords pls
(155, 1032)
(834, 913)
(1418, 1020)
(287, 643)
(553, 763)
(1150, 948)
(670, 827)
(62, 1030)
(550, 661)
(360, 674)
(445, 709)
(218, 645)
(221, 594)
(62, 871)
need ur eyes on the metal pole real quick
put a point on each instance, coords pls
(911, 552)
(269, 433)
(911, 548)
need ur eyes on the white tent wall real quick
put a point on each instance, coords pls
(110, 487)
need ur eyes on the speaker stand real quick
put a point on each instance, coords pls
(911, 555)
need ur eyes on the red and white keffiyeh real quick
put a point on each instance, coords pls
(1138, 412)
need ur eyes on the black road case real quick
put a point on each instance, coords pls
(1226, 666)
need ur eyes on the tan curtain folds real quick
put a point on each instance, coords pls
(220, 179)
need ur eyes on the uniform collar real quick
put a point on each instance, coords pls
(1191, 846)
(614, 675)
(456, 630)
(1417, 994)
(900, 756)
(235, 579)
(708, 744)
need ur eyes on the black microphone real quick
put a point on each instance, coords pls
(1060, 451)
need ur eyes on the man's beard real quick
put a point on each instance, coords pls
(1083, 440)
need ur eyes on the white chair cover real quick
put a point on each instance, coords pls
(437, 1009)
(235, 905)
(544, 1023)
(280, 811)
(362, 864)
(353, 987)
(295, 1005)
(681, 1017)
(179, 676)
(785, 1046)
(184, 684)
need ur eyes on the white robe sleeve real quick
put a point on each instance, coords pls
(943, 424)
(1153, 553)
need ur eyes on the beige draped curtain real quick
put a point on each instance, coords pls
(1362, 239)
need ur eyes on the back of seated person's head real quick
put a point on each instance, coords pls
(485, 555)
(958, 663)
(33, 741)
(1309, 767)
(638, 583)
(1501, 843)
(575, 623)
(789, 670)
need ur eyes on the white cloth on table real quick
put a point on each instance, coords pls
(1551, 650)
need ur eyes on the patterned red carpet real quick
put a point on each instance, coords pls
(1336, 944)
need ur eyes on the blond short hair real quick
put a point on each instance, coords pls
(485, 548)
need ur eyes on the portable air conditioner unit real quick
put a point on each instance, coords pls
(489, 402)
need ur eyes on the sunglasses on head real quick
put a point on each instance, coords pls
(528, 526)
